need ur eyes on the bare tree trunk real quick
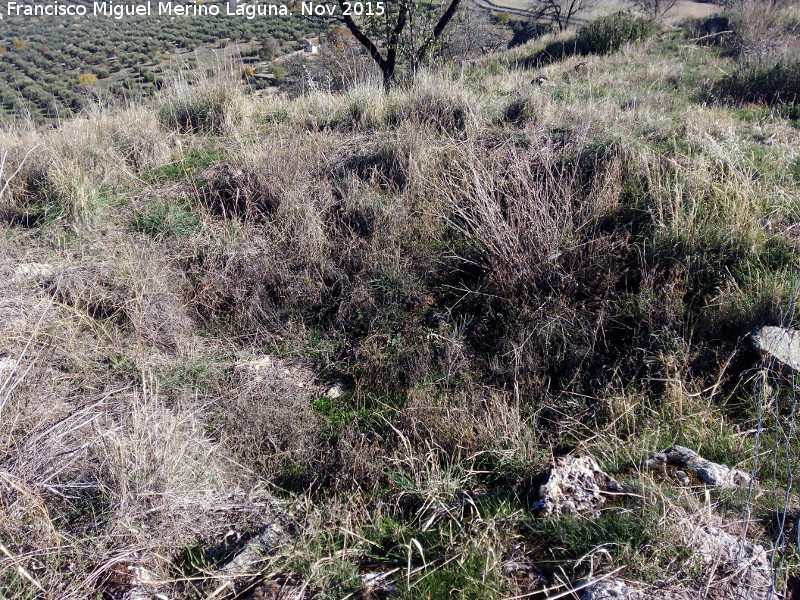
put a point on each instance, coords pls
(438, 30)
(388, 65)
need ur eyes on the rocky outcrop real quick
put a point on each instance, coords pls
(291, 375)
(781, 344)
(24, 272)
(613, 588)
(576, 484)
(735, 567)
(682, 459)
(732, 568)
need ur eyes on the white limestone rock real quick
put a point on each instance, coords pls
(781, 344)
(576, 484)
(706, 471)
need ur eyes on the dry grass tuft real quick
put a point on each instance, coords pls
(210, 105)
(136, 291)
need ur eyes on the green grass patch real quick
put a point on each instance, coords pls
(166, 219)
(467, 577)
(631, 534)
(189, 164)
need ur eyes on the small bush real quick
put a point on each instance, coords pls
(258, 179)
(87, 78)
(525, 31)
(601, 36)
(609, 34)
(520, 110)
(775, 83)
(445, 105)
(386, 164)
(45, 192)
(209, 106)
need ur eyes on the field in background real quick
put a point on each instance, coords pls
(53, 67)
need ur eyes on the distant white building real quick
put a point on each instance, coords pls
(312, 45)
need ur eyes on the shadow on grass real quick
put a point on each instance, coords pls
(774, 84)
(601, 36)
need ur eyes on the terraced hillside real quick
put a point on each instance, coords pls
(49, 66)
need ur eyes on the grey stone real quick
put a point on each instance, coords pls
(337, 390)
(781, 344)
(607, 589)
(251, 559)
(576, 484)
(683, 478)
(708, 472)
(618, 589)
(255, 552)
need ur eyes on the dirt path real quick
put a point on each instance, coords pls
(681, 10)
(489, 5)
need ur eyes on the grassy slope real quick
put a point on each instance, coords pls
(500, 262)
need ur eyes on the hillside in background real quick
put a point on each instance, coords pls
(49, 65)
(505, 331)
